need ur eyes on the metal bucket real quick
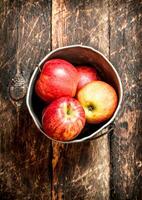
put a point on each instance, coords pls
(77, 55)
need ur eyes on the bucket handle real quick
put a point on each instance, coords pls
(106, 130)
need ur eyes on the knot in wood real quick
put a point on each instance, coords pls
(18, 87)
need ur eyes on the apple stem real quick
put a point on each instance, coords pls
(91, 107)
(68, 109)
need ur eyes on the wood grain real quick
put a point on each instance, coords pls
(25, 154)
(81, 171)
(126, 142)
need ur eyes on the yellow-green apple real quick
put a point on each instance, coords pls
(63, 119)
(87, 74)
(58, 78)
(99, 100)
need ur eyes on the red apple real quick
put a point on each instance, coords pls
(58, 78)
(87, 74)
(99, 101)
(63, 119)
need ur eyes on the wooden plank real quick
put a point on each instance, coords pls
(25, 154)
(81, 171)
(126, 142)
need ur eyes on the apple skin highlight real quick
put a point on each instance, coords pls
(63, 119)
(99, 101)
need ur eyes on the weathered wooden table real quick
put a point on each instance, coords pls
(32, 167)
